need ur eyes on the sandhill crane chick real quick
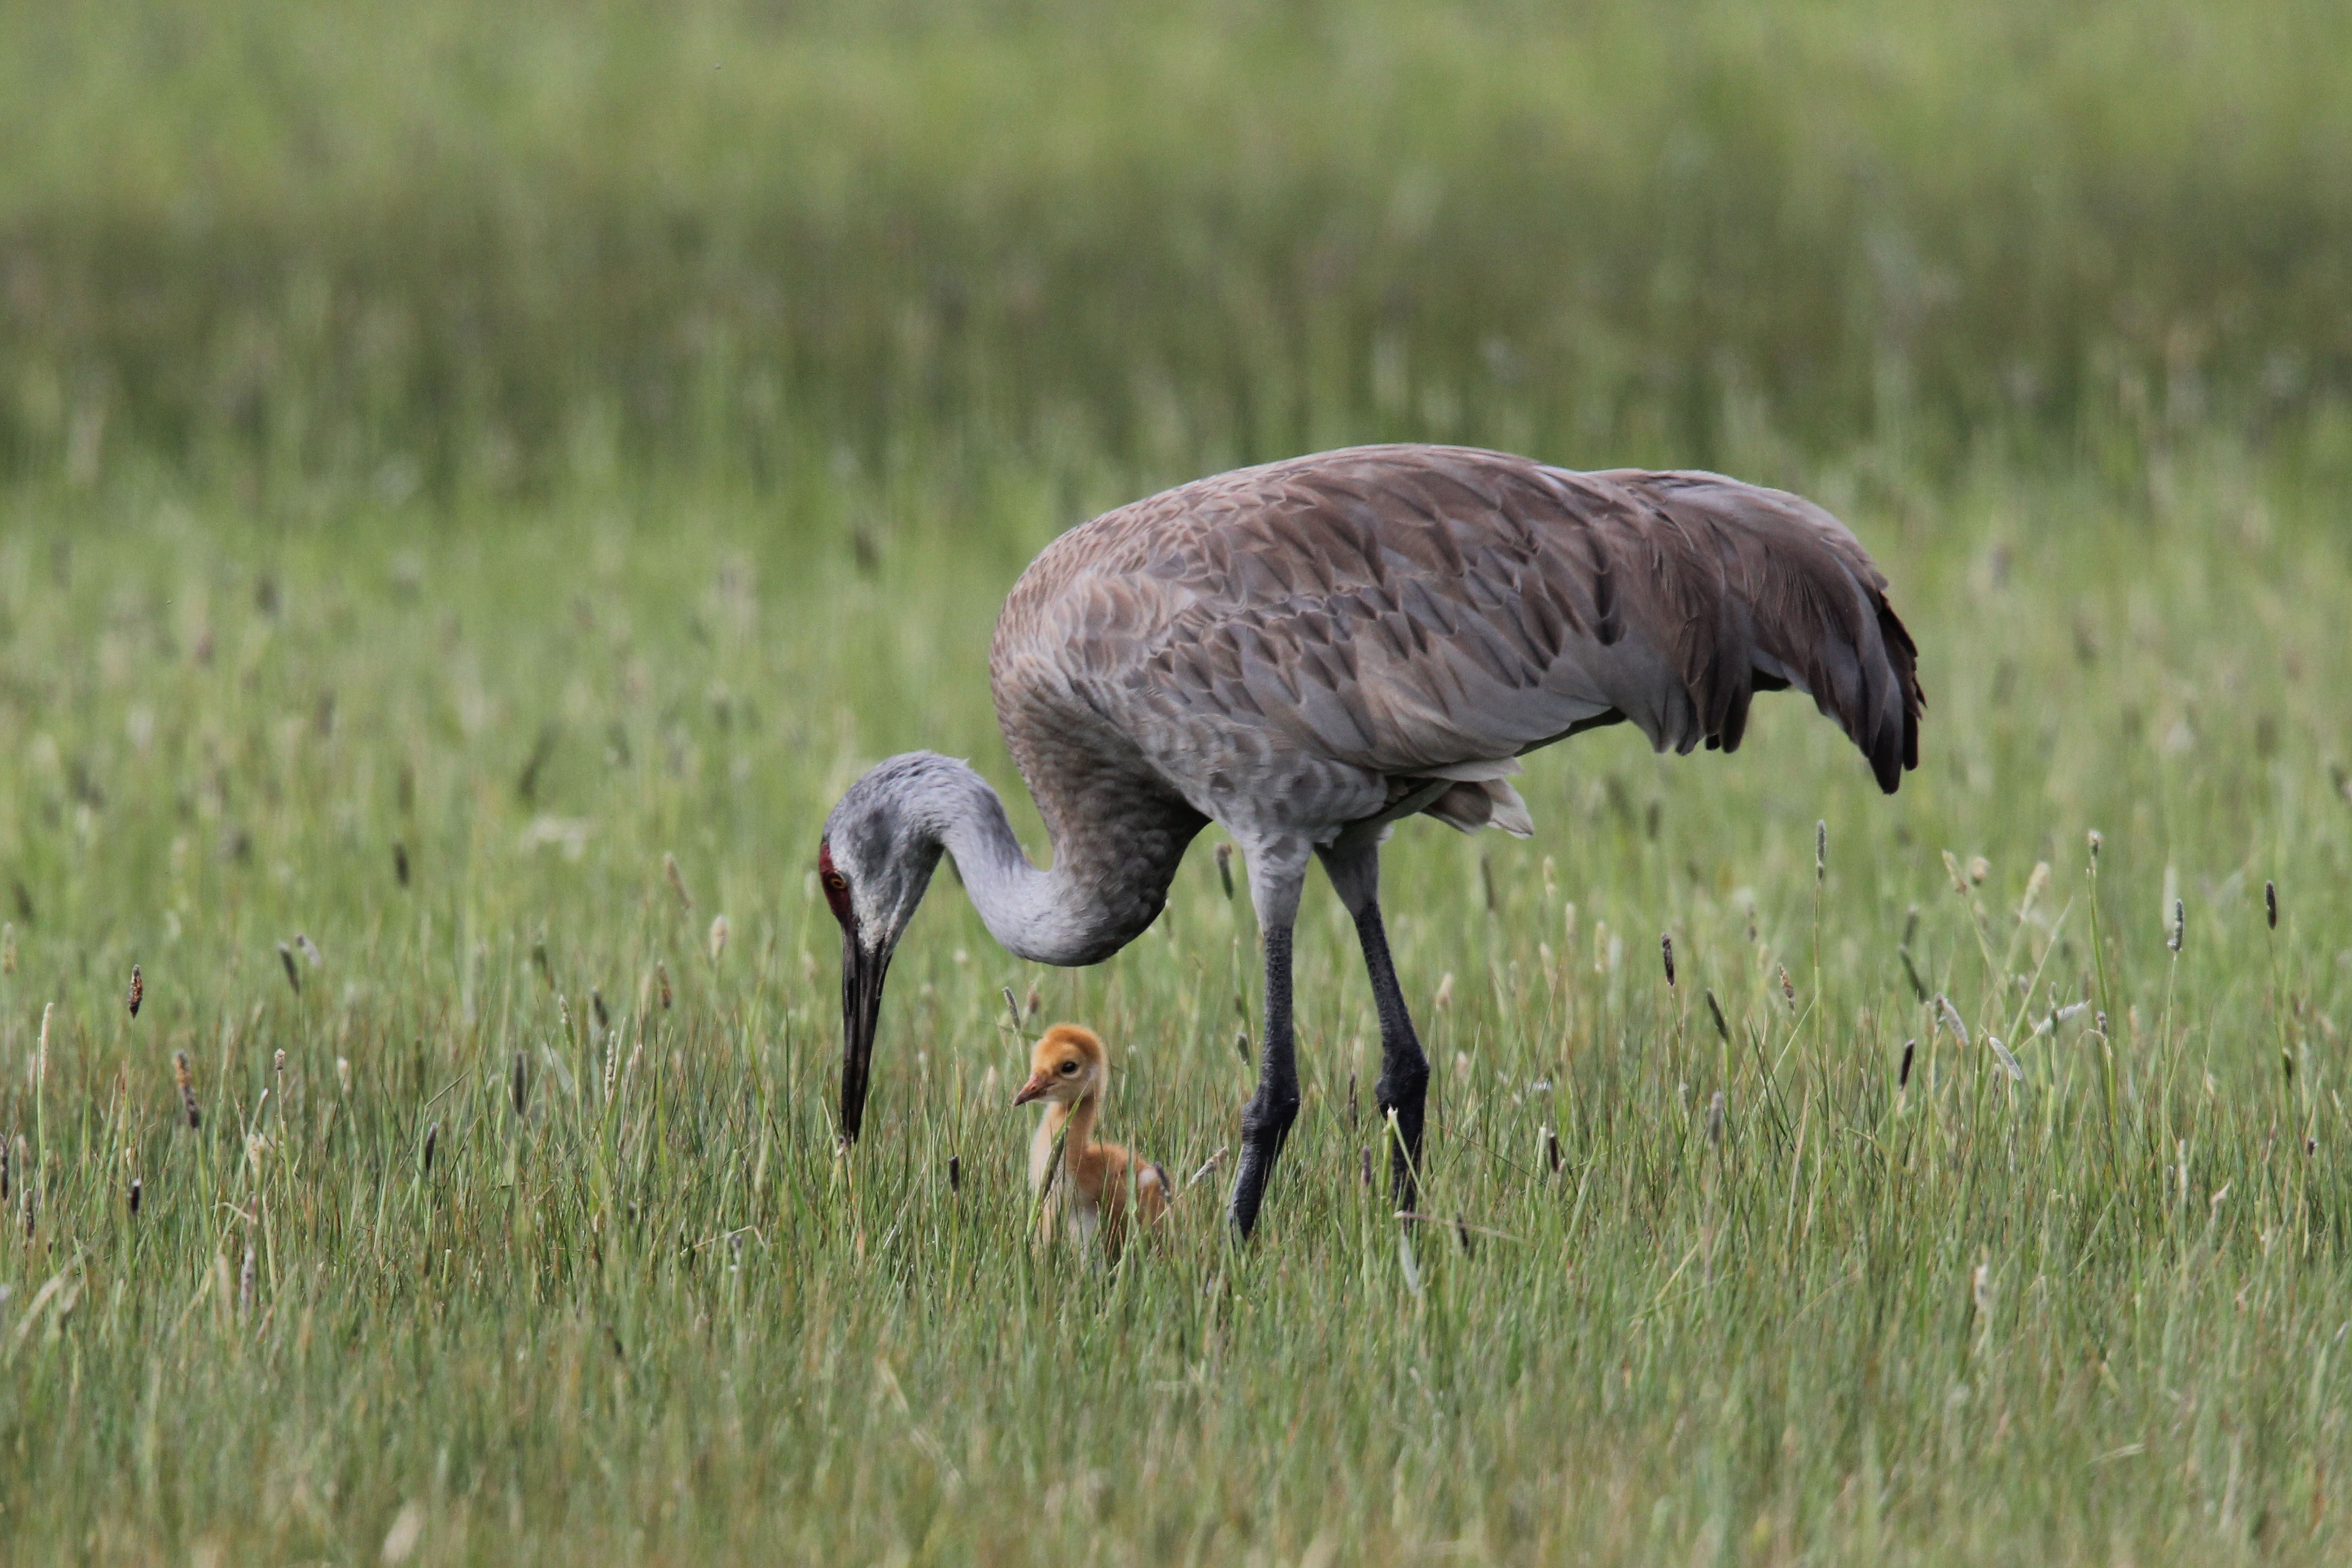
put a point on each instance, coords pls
(1071, 1072)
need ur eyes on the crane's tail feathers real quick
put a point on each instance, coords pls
(1761, 590)
(1489, 803)
(1510, 810)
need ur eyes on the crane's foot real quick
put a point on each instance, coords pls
(1402, 1099)
(1264, 1128)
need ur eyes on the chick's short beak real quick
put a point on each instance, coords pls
(1036, 1088)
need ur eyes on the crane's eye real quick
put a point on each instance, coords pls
(1068, 1068)
(836, 887)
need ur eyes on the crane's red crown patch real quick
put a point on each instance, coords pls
(835, 885)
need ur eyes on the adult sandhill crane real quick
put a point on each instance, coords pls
(1310, 651)
(1070, 1071)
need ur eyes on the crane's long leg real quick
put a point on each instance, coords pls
(1404, 1087)
(1266, 1120)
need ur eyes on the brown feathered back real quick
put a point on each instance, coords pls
(1432, 612)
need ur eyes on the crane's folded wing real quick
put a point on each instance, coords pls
(1427, 612)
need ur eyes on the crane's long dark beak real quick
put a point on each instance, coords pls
(862, 974)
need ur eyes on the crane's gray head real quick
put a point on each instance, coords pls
(879, 849)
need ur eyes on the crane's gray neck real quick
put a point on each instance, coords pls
(1092, 903)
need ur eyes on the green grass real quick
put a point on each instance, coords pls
(536, 440)
(1971, 1320)
(484, 248)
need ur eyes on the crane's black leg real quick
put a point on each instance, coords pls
(1266, 1120)
(1403, 1087)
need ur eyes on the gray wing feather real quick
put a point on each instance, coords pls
(1405, 609)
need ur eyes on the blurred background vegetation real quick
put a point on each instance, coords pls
(440, 248)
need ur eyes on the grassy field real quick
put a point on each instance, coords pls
(455, 459)
(639, 1309)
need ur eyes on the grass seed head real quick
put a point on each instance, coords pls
(293, 975)
(661, 981)
(400, 862)
(309, 950)
(717, 937)
(1715, 1010)
(518, 1085)
(1714, 1119)
(677, 883)
(1666, 951)
(245, 1285)
(432, 1140)
(343, 1074)
(2009, 1063)
(41, 1052)
(1903, 1073)
(1787, 989)
(2035, 886)
(137, 1187)
(2270, 903)
(2097, 843)
(138, 993)
(1821, 850)
(1951, 1016)
(2180, 928)
(1444, 991)
(1911, 973)
(187, 1083)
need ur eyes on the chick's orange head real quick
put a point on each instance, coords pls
(1068, 1061)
